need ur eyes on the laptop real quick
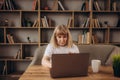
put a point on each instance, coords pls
(69, 65)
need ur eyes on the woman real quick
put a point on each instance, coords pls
(61, 42)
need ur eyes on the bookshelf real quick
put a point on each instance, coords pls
(32, 25)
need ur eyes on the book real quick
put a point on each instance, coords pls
(97, 6)
(8, 38)
(94, 39)
(4, 69)
(118, 23)
(1, 4)
(107, 36)
(34, 5)
(87, 22)
(88, 37)
(60, 4)
(31, 58)
(49, 22)
(69, 22)
(55, 6)
(98, 23)
(83, 37)
(87, 5)
(83, 6)
(46, 22)
(80, 39)
(93, 23)
(83, 24)
(90, 5)
(7, 5)
(43, 22)
(36, 23)
(12, 5)
(12, 40)
(114, 6)
(18, 54)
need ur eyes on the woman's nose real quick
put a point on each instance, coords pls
(62, 39)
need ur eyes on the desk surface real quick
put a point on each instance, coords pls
(42, 73)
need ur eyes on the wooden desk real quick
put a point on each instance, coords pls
(42, 73)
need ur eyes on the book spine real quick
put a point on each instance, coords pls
(61, 5)
(46, 21)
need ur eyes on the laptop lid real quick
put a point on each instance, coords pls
(69, 65)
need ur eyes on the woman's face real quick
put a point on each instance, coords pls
(61, 40)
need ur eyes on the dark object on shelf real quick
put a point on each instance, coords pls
(83, 7)
(46, 8)
(28, 38)
(27, 23)
(6, 22)
(105, 23)
(118, 24)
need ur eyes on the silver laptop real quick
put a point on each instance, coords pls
(69, 65)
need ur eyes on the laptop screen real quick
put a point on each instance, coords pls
(69, 65)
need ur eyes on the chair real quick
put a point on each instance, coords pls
(38, 55)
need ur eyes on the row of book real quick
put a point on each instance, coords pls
(10, 38)
(7, 5)
(97, 6)
(26, 22)
(10, 5)
(86, 23)
(96, 23)
(44, 21)
(85, 5)
(84, 38)
(17, 56)
(47, 22)
(96, 39)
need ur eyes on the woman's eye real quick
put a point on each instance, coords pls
(64, 36)
(59, 36)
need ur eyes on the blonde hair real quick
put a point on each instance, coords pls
(61, 30)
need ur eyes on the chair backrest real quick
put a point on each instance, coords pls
(38, 54)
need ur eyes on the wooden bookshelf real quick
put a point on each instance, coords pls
(32, 25)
